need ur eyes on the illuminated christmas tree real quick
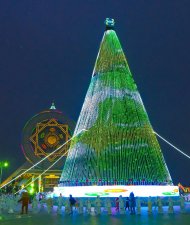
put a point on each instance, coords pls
(119, 146)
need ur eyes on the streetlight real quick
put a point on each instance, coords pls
(3, 164)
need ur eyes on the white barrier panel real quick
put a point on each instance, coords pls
(115, 191)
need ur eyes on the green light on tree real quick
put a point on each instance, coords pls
(120, 143)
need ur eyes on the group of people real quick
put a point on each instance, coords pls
(12, 203)
(130, 204)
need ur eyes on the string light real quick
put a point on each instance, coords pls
(82, 130)
(169, 143)
(33, 180)
(119, 137)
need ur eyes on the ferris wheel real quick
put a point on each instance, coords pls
(45, 132)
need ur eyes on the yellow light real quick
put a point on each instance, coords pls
(51, 176)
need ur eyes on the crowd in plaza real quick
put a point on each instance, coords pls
(10, 203)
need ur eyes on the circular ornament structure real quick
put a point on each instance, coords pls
(44, 133)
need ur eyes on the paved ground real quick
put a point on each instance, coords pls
(43, 218)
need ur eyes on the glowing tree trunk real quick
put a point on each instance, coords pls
(119, 146)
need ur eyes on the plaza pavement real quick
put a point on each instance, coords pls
(43, 218)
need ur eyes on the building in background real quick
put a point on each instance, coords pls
(41, 136)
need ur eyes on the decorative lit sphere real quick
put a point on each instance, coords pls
(109, 22)
(5, 164)
(52, 139)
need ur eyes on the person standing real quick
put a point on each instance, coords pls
(117, 204)
(127, 204)
(72, 202)
(25, 202)
(132, 202)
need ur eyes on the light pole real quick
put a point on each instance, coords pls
(3, 164)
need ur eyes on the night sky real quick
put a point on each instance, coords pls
(48, 50)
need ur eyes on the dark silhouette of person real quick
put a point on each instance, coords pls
(132, 202)
(25, 201)
(72, 202)
(127, 204)
(117, 204)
